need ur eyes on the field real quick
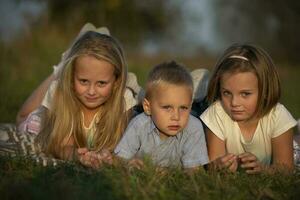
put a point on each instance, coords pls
(26, 62)
(23, 179)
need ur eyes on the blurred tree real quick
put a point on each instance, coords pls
(128, 20)
(273, 24)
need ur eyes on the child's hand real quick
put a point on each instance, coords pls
(135, 163)
(228, 161)
(89, 158)
(250, 163)
(81, 154)
(105, 156)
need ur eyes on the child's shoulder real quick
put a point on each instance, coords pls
(140, 120)
(279, 110)
(215, 110)
(279, 113)
(193, 120)
(279, 119)
(215, 107)
(194, 123)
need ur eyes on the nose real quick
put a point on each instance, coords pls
(175, 115)
(91, 90)
(235, 101)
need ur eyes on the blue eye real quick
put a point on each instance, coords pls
(83, 81)
(225, 93)
(102, 83)
(245, 94)
(166, 107)
(184, 107)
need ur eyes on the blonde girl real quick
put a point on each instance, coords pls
(246, 125)
(84, 110)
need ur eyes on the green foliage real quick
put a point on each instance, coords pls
(290, 88)
(273, 24)
(22, 178)
(129, 20)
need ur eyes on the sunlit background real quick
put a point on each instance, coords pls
(33, 34)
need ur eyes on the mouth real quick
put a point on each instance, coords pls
(237, 112)
(174, 127)
(91, 99)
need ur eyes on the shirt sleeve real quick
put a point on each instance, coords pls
(130, 142)
(195, 150)
(49, 94)
(282, 120)
(213, 117)
(33, 122)
(129, 99)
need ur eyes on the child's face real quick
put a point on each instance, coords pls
(93, 81)
(169, 107)
(239, 95)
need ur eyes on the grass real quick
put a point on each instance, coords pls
(21, 178)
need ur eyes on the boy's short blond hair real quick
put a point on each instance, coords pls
(170, 73)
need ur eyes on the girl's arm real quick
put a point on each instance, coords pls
(282, 156)
(282, 150)
(34, 100)
(215, 146)
(217, 153)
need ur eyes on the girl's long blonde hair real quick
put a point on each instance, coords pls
(63, 120)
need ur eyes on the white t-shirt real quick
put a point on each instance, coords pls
(275, 123)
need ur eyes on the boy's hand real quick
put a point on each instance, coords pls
(250, 163)
(228, 161)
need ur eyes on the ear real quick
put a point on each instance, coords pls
(146, 106)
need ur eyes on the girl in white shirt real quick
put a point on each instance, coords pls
(84, 111)
(246, 125)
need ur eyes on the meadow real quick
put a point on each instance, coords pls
(21, 178)
(25, 62)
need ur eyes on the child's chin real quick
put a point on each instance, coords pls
(173, 132)
(238, 119)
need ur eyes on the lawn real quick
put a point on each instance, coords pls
(22, 178)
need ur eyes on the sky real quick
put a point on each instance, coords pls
(16, 17)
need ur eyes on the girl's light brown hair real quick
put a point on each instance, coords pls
(248, 58)
(63, 121)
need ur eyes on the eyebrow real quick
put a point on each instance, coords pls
(86, 78)
(243, 90)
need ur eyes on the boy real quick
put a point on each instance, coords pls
(166, 131)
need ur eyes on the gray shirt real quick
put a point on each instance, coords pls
(186, 149)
